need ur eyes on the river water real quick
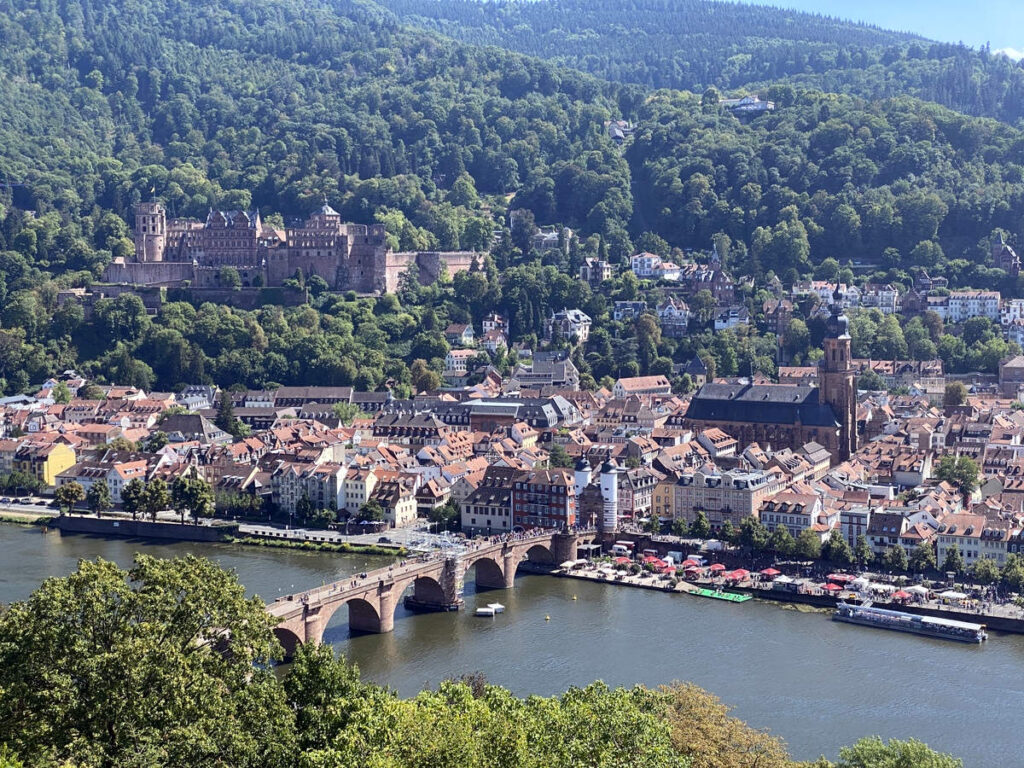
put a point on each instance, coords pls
(817, 683)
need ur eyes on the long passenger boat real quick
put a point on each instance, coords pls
(930, 626)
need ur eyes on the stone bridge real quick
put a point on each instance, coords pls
(436, 582)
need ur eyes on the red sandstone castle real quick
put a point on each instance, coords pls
(348, 256)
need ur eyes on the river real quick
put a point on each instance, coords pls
(817, 683)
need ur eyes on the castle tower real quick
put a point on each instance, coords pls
(150, 232)
(836, 378)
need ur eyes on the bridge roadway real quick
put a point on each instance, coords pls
(436, 580)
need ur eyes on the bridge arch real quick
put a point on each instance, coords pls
(541, 554)
(363, 616)
(428, 589)
(488, 573)
(289, 641)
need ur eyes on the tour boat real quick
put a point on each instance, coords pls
(491, 609)
(930, 626)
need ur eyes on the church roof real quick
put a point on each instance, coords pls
(761, 404)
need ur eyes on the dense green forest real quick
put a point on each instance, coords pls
(232, 104)
(125, 668)
(696, 44)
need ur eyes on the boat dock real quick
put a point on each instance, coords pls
(730, 597)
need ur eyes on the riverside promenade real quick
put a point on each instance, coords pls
(1000, 617)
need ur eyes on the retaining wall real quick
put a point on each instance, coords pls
(144, 529)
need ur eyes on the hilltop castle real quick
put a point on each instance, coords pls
(348, 256)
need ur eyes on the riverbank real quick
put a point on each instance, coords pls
(320, 546)
(26, 518)
(117, 526)
(812, 601)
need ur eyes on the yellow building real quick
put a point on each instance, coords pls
(44, 461)
(663, 497)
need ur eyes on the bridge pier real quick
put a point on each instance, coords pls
(313, 626)
(564, 546)
(511, 564)
(386, 610)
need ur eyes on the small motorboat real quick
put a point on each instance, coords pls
(491, 609)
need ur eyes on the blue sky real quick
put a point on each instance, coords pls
(974, 22)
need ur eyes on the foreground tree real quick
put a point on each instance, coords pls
(703, 731)
(114, 667)
(875, 753)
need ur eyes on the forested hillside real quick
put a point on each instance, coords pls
(695, 44)
(897, 183)
(232, 104)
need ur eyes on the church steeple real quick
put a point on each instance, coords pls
(836, 377)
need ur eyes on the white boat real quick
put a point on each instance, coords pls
(496, 607)
(491, 609)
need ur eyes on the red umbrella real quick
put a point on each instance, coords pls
(623, 560)
(831, 587)
(687, 563)
(901, 595)
(842, 578)
(692, 568)
(716, 567)
(770, 572)
(740, 573)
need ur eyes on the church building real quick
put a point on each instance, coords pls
(788, 416)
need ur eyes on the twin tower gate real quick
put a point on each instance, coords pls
(437, 586)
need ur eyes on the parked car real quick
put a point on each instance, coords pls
(383, 540)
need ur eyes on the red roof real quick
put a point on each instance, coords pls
(842, 578)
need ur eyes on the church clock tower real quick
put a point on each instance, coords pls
(836, 378)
